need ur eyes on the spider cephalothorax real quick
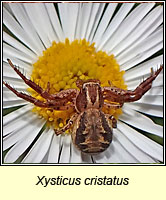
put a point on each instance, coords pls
(91, 127)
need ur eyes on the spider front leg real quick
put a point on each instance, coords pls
(32, 84)
(121, 96)
(27, 97)
(55, 105)
(70, 93)
(68, 125)
(58, 101)
(130, 96)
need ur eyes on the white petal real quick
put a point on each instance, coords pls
(153, 110)
(16, 44)
(65, 154)
(142, 31)
(16, 134)
(55, 21)
(143, 69)
(146, 45)
(23, 19)
(22, 118)
(20, 147)
(40, 148)
(147, 145)
(54, 151)
(131, 21)
(92, 20)
(9, 104)
(75, 155)
(155, 91)
(35, 16)
(9, 96)
(6, 5)
(45, 22)
(16, 114)
(44, 160)
(140, 121)
(142, 56)
(114, 24)
(153, 100)
(97, 18)
(104, 22)
(69, 11)
(11, 51)
(83, 20)
(130, 147)
(17, 30)
(123, 155)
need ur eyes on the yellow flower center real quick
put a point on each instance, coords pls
(62, 64)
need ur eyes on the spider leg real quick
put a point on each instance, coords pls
(136, 94)
(27, 97)
(56, 101)
(112, 93)
(68, 125)
(112, 105)
(113, 120)
(30, 83)
(56, 105)
(119, 95)
(70, 93)
(66, 95)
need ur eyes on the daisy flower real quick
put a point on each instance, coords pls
(117, 43)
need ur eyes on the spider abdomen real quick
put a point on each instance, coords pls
(92, 132)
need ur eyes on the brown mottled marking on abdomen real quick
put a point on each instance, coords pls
(93, 133)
